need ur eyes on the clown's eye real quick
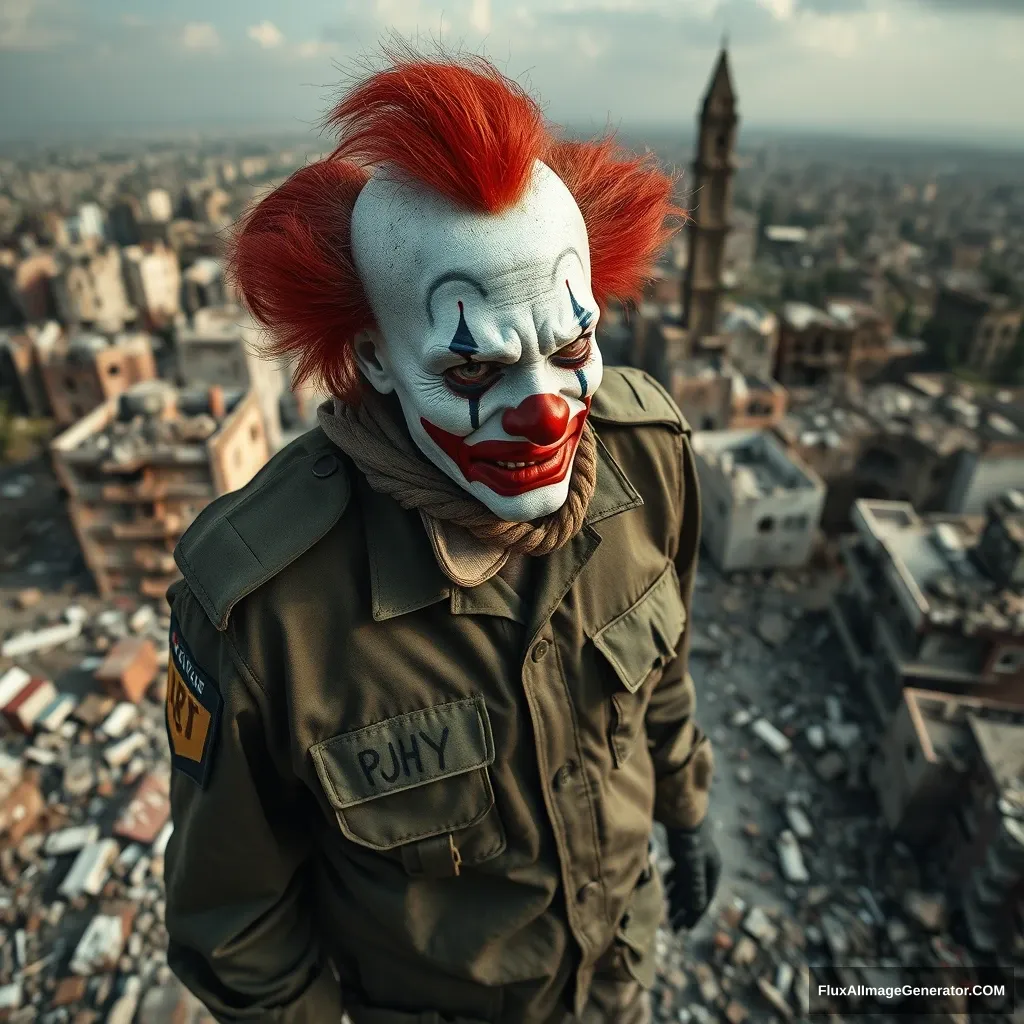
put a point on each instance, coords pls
(472, 376)
(574, 354)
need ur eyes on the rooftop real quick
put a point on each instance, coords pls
(785, 233)
(205, 270)
(748, 316)
(151, 421)
(947, 719)
(1002, 747)
(754, 461)
(934, 557)
(852, 312)
(801, 315)
(215, 323)
(823, 422)
(948, 421)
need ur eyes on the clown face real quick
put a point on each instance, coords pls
(485, 333)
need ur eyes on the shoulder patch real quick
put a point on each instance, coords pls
(194, 706)
(245, 538)
(633, 397)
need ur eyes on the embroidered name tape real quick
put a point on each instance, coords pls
(405, 751)
(193, 711)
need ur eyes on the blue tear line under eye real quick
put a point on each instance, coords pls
(582, 378)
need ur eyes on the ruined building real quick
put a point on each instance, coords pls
(760, 506)
(713, 170)
(713, 394)
(934, 601)
(81, 369)
(153, 278)
(138, 470)
(929, 441)
(219, 348)
(90, 288)
(816, 346)
(973, 328)
(949, 775)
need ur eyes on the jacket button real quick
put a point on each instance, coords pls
(587, 892)
(564, 774)
(325, 466)
(540, 648)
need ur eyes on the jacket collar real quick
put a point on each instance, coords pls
(405, 576)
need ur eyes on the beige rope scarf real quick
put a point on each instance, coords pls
(374, 436)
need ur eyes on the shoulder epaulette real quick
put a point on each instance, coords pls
(631, 396)
(242, 539)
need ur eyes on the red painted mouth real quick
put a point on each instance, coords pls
(546, 464)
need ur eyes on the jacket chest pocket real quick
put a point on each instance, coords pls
(417, 786)
(638, 644)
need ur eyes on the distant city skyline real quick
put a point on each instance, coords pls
(927, 69)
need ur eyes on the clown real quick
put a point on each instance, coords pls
(427, 684)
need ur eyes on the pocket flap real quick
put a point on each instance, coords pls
(404, 752)
(647, 634)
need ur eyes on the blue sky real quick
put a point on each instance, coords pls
(938, 68)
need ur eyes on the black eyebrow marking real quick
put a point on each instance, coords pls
(561, 256)
(454, 275)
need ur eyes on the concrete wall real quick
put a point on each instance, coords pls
(239, 449)
(979, 480)
(765, 532)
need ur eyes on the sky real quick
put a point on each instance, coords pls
(943, 69)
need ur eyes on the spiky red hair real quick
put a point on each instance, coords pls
(463, 129)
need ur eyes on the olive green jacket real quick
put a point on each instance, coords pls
(443, 794)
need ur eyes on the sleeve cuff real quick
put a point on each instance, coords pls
(681, 798)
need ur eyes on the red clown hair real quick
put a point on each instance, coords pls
(463, 129)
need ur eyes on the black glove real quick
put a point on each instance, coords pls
(694, 876)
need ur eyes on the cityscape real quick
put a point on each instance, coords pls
(841, 322)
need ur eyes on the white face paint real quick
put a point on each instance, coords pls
(486, 326)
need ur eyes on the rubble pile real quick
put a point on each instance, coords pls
(813, 888)
(84, 813)
(153, 414)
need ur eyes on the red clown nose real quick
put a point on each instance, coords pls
(541, 419)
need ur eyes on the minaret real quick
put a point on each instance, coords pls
(711, 202)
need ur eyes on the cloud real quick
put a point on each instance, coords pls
(28, 25)
(312, 48)
(831, 6)
(480, 15)
(266, 34)
(835, 35)
(781, 10)
(200, 35)
(975, 7)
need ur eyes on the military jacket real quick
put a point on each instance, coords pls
(412, 800)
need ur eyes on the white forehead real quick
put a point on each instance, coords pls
(405, 237)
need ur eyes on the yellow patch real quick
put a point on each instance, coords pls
(193, 709)
(188, 722)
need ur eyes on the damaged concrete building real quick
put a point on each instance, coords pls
(760, 506)
(949, 777)
(930, 441)
(713, 394)
(934, 601)
(139, 468)
(218, 348)
(81, 370)
(815, 346)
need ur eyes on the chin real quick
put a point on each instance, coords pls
(525, 507)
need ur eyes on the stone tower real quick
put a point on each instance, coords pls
(710, 202)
